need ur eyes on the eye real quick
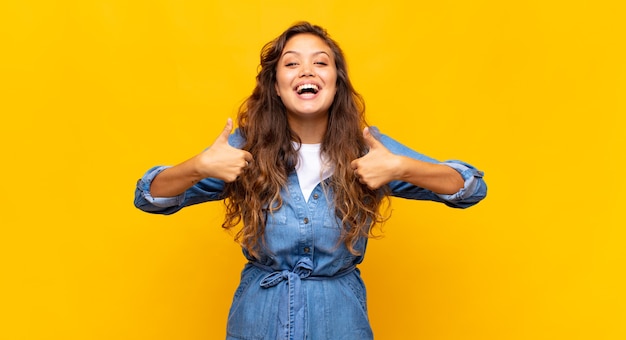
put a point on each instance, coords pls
(323, 63)
(291, 64)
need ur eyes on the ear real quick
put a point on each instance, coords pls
(276, 88)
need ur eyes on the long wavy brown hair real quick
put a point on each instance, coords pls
(262, 121)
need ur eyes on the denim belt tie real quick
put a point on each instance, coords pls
(292, 301)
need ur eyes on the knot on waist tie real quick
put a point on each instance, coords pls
(291, 307)
(302, 270)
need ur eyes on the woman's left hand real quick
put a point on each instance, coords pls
(379, 166)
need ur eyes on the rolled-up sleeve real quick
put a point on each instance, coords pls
(208, 189)
(474, 188)
(145, 201)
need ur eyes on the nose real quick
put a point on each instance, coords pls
(306, 71)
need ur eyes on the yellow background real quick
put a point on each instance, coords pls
(93, 93)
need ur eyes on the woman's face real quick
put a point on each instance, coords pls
(306, 77)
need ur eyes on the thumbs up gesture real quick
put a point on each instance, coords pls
(221, 160)
(378, 167)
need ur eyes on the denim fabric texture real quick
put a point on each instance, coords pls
(306, 284)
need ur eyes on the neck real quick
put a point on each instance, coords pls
(310, 131)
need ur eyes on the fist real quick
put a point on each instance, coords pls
(221, 160)
(378, 166)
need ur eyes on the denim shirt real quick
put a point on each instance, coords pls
(306, 272)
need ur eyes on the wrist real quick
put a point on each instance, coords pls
(198, 169)
(402, 167)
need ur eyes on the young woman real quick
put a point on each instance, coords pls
(304, 176)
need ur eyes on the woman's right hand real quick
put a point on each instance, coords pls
(221, 160)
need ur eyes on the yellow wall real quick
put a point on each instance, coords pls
(532, 92)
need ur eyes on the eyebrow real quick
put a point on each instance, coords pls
(298, 53)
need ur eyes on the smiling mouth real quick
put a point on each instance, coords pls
(307, 88)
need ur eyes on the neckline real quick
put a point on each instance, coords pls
(308, 147)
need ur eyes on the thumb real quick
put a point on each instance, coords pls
(223, 137)
(370, 140)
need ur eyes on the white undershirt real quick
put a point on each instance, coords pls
(311, 169)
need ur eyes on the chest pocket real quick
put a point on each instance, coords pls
(276, 217)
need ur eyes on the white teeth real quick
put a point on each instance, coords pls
(303, 87)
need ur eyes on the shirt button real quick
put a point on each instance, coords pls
(306, 220)
(307, 249)
(316, 196)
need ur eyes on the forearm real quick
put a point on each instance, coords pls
(175, 180)
(438, 178)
